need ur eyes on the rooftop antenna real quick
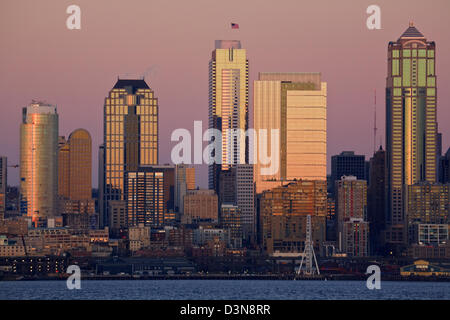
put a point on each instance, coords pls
(375, 123)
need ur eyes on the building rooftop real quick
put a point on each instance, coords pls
(412, 32)
(134, 84)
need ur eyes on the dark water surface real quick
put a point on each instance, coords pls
(222, 290)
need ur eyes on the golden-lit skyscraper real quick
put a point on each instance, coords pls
(294, 104)
(80, 164)
(411, 126)
(39, 160)
(130, 137)
(75, 178)
(228, 103)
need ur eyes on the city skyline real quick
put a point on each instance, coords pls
(370, 59)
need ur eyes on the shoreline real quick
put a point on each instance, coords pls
(289, 277)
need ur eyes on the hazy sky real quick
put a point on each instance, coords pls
(74, 69)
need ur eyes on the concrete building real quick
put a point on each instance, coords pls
(294, 105)
(347, 163)
(283, 212)
(130, 136)
(231, 220)
(150, 194)
(351, 208)
(185, 180)
(39, 160)
(200, 206)
(426, 204)
(411, 125)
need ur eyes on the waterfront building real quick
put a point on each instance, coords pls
(283, 212)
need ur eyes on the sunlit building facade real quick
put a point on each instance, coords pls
(283, 212)
(130, 137)
(228, 104)
(411, 126)
(39, 160)
(295, 105)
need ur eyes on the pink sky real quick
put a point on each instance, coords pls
(75, 69)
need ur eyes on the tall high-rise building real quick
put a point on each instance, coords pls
(75, 179)
(3, 184)
(228, 104)
(376, 201)
(347, 163)
(39, 160)
(149, 195)
(351, 208)
(295, 106)
(185, 180)
(130, 137)
(411, 125)
(75, 166)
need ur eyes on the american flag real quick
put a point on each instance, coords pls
(234, 26)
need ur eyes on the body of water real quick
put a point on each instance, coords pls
(222, 290)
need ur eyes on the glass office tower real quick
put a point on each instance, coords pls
(130, 137)
(39, 161)
(411, 125)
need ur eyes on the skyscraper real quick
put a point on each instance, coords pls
(228, 104)
(411, 126)
(130, 137)
(295, 104)
(376, 201)
(75, 166)
(75, 178)
(39, 160)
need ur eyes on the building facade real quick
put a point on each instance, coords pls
(290, 109)
(200, 206)
(228, 105)
(283, 212)
(426, 204)
(351, 208)
(411, 126)
(39, 160)
(149, 195)
(130, 137)
(347, 163)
